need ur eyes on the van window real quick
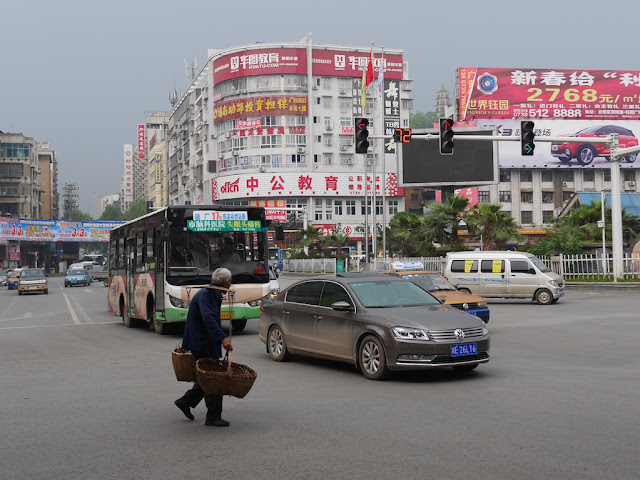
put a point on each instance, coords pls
(519, 266)
(466, 266)
(492, 266)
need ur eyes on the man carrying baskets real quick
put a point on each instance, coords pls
(203, 336)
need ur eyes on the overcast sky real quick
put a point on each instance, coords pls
(81, 74)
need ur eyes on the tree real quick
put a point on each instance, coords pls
(402, 232)
(423, 119)
(136, 210)
(442, 224)
(565, 240)
(493, 225)
(112, 213)
(586, 217)
(306, 237)
(80, 216)
(337, 240)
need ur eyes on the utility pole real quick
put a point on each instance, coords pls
(69, 200)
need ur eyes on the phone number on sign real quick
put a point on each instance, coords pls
(547, 112)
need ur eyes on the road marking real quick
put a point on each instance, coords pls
(73, 314)
(60, 325)
(28, 315)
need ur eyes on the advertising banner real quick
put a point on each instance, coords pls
(128, 173)
(549, 94)
(391, 101)
(141, 142)
(338, 63)
(277, 215)
(23, 229)
(291, 183)
(557, 154)
(260, 106)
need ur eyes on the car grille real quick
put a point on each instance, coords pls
(459, 306)
(450, 336)
(465, 358)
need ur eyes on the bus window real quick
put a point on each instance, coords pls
(121, 259)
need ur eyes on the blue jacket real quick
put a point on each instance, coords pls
(203, 333)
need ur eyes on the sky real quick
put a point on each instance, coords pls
(81, 74)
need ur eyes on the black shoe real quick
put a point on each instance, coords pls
(217, 423)
(185, 408)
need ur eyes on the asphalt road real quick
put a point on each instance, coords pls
(83, 397)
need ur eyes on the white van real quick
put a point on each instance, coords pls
(504, 275)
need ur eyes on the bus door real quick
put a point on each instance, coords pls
(160, 269)
(131, 270)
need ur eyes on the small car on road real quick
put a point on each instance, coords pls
(77, 276)
(3, 277)
(32, 280)
(13, 278)
(376, 322)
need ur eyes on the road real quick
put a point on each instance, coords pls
(84, 397)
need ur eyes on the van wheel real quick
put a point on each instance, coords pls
(464, 290)
(544, 297)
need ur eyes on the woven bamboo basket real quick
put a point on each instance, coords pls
(221, 377)
(184, 364)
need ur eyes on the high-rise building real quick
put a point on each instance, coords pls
(273, 125)
(156, 132)
(48, 181)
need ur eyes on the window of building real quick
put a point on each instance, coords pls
(393, 207)
(11, 170)
(346, 159)
(344, 83)
(9, 189)
(316, 159)
(504, 196)
(270, 141)
(316, 81)
(346, 122)
(567, 175)
(319, 139)
(526, 176)
(566, 196)
(296, 159)
(379, 207)
(338, 207)
(328, 210)
(547, 216)
(526, 217)
(546, 176)
(364, 211)
(345, 140)
(276, 160)
(295, 120)
(345, 106)
(547, 197)
(15, 150)
(328, 159)
(317, 210)
(296, 140)
(295, 82)
(606, 175)
(326, 82)
(629, 175)
(326, 102)
(415, 197)
(526, 197)
(505, 175)
(588, 176)
(350, 207)
(318, 99)
(484, 196)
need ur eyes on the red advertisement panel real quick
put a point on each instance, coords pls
(260, 106)
(512, 93)
(141, 142)
(351, 64)
(266, 61)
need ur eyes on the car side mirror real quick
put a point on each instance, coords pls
(343, 307)
(532, 271)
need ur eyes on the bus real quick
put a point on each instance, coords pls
(158, 262)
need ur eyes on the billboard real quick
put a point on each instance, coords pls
(128, 173)
(141, 142)
(260, 106)
(55, 230)
(291, 183)
(602, 95)
(472, 162)
(557, 154)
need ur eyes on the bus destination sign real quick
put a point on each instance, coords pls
(224, 225)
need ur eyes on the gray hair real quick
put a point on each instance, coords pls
(220, 276)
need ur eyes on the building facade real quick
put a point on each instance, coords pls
(273, 125)
(156, 133)
(48, 181)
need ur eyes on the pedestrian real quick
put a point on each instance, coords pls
(204, 337)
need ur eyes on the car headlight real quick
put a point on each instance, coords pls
(485, 330)
(553, 283)
(482, 304)
(406, 333)
(260, 301)
(178, 302)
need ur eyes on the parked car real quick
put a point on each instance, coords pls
(376, 322)
(585, 152)
(3, 277)
(439, 287)
(32, 280)
(77, 276)
(13, 278)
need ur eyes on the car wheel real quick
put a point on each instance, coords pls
(277, 345)
(464, 290)
(238, 325)
(586, 154)
(544, 297)
(19, 292)
(371, 358)
(46, 292)
(465, 368)
(555, 300)
(630, 158)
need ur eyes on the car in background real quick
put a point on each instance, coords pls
(3, 278)
(377, 322)
(274, 285)
(585, 152)
(32, 280)
(439, 287)
(77, 276)
(99, 273)
(13, 278)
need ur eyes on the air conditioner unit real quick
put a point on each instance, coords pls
(343, 148)
(236, 153)
(214, 135)
(300, 149)
(220, 156)
(328, 142)
(343, 91)
(315, 87)
(350, 161)
(565, 184)
(262, 169)
(629, 186)
(329, 126)
(227, 134)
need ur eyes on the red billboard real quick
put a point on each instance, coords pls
(338, 63)
(512, 93)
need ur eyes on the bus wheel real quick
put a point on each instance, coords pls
(128, 321)
(238, 325)
(158, 326)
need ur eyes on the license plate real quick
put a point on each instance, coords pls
(464, 349)
(226, 315)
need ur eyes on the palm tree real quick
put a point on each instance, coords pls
(306, 237)
(586, 217)
(402, 231)
(493, 224)
(441, 225)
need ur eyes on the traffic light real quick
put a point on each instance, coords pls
(362, 135)
(526, 137)
(446, 136)
(279, 233)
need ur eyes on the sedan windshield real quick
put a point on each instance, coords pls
(392, 294)
(35, 273)
(77, 271)
(431, 282)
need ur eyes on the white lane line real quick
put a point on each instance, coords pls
(59, 325)
(73, 314)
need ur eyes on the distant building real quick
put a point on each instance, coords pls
(48, 181)
(106, 201)
(443, 102)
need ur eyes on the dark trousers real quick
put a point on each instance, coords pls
(213, 402)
